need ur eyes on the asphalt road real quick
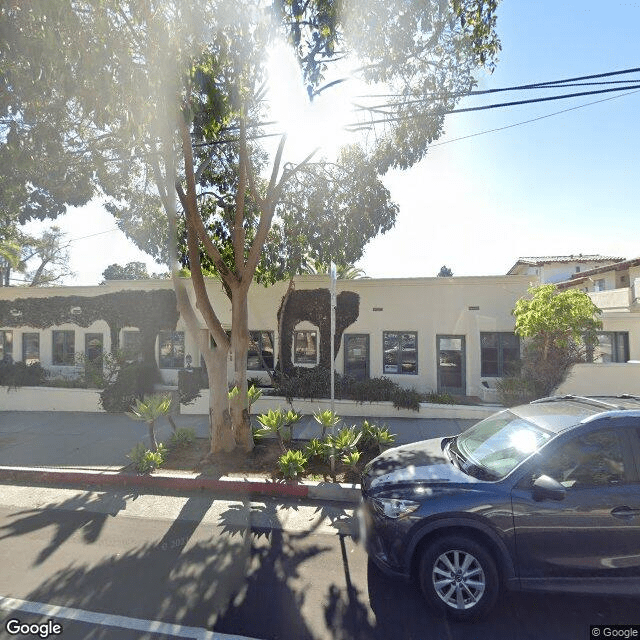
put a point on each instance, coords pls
(257, 569)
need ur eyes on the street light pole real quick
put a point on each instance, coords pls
(333, 333)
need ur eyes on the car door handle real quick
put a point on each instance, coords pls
(625, 513)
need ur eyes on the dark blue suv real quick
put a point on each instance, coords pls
(544, 496)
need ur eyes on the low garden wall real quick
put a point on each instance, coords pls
(602, 379)
(88, 400)
(49, 399)
(351, 408)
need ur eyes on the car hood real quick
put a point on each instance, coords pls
(422, 462)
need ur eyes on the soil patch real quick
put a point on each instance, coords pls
(261, 463)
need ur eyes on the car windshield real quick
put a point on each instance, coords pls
(500, 443)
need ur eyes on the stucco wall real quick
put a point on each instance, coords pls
(350, 408)
(49, 399)
(609, 379)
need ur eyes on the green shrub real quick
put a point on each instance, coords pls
(305, 383)
(131, 383)
(372, 390)
(439, 398)
(181, 438)
(406, 399)
(19, 374)
(292, 464)
(513, 390)
(189, 385)
(145, 460)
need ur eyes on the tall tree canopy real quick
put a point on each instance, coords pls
(158, 106)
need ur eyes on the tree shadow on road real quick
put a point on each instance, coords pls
(86, 512)
(194, 573)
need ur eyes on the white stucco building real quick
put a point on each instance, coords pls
(451, 334)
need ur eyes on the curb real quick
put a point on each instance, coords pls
(325, 491)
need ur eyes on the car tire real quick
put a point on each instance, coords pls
(459, 576)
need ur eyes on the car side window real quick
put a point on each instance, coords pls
(591, 460)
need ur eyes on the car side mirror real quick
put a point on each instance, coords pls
(546, 488)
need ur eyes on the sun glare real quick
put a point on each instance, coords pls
(309, 124)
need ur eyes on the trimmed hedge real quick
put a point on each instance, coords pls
(313, 383)
(19, 374)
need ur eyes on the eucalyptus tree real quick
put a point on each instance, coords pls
(133, 101)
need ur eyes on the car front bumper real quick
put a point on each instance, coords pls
(382, 538)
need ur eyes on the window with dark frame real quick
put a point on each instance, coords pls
(499, 353)
(132, 345)
(64, 348)
(30, 348)
(612, 346)
(6, 346)
(400, 352)
(305, 347)
(171, 349)
(260, 344)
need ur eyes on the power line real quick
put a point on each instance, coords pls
(534, 85)
(363, 125)
(92, 235)
(517, 124)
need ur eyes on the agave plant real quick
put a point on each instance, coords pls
(344, 442)
(327, 419)
(148, 410)
(277, 422)
(292, 464)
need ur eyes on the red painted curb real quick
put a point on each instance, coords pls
(173, 482)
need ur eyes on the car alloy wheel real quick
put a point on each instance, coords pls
(459, 576)
(458, 579)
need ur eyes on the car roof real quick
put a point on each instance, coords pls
(558, 413)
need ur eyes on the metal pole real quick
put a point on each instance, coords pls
(333, 333)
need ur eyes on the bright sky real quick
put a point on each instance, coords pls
(565, 184)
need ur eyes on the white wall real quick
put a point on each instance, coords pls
(49, 399)
(352, 409)
(609, 379)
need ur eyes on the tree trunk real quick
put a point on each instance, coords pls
(222, 440)
(240, 347)
(152, 435)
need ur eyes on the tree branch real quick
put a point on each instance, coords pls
(238, 227)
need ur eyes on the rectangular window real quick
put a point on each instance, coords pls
(30, 348)
(499, 353)
(305, 347)
(260, 355)
(6, 346)
(612, 346)
(599, 285)
(64, 348)
(400, 352)
(131, 346)
(171, 350)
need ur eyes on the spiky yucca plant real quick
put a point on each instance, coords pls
(148, 410)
